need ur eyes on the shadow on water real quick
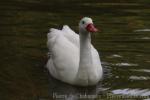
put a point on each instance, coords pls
(123, 45)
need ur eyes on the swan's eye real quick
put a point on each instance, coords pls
(83, 22)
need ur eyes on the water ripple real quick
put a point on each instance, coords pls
(115, 56)
(145, 38)
(141, 70)
(139, 78)
(132, 92)
(142, 30)
(123, 64)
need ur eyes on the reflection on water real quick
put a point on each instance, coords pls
(123, 44)
(141, 70)
(139, 78)
(142, 30)
(115, 56)
(132, 92)
(123, 64)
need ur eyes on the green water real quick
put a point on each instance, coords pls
(123, 44)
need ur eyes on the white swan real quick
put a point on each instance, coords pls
(73, 58)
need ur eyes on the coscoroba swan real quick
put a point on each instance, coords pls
(73, 58)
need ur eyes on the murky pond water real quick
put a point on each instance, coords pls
(123, 44)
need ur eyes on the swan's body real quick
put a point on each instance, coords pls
(73, 58)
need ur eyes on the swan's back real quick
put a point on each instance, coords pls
(71, 35)
(64, 61)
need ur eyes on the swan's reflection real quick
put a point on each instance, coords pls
(61, 91)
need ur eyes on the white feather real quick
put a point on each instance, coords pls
(63, 64)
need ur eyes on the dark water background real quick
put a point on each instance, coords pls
(123, 43)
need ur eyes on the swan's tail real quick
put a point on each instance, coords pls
(52, 33)
(51, 37)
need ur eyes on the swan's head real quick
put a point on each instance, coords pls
(86, 25)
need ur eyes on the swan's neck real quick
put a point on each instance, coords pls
(85, 63)
(85, 51)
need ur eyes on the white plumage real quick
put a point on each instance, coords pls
(73, 58)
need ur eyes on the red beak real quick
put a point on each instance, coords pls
(91, 28)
